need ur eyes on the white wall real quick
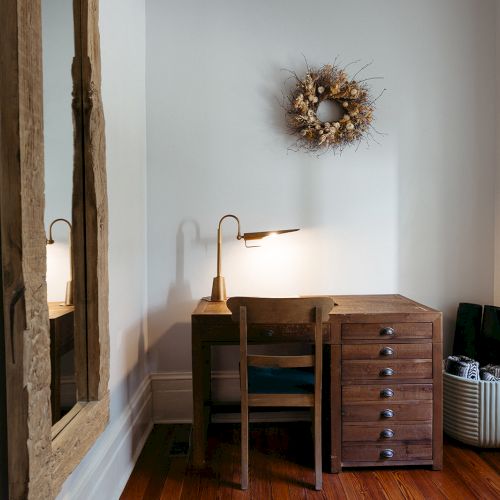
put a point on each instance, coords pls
(497, 197)
(447, 156)
(122, 25)
(412, 215)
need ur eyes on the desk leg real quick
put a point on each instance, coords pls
(201, 395)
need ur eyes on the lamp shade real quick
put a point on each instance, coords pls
(264, 234)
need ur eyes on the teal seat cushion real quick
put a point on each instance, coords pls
(280, 380)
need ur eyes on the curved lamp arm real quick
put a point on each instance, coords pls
(219, 239)
(50, 239)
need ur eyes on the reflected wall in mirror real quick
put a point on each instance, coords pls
(58, 51)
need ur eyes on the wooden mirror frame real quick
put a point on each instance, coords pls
(41, 457)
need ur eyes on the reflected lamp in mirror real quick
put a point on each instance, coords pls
(219, 284)
(68, 299)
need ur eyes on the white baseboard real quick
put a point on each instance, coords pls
(173, 399)
(113, 457)
(173, 394)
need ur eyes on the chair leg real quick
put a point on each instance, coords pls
(318, 464)
(244, 446)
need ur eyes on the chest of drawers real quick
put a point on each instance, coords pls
(385, 377)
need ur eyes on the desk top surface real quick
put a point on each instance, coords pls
(58, 309)
(345, 304)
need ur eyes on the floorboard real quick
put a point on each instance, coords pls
(282, 468)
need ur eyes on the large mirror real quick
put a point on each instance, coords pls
(74, 189)
(58, 51)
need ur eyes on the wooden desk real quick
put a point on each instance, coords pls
(362, 330)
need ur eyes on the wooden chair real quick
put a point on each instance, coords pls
(281, 381)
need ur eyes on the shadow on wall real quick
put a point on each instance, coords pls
(176, 339)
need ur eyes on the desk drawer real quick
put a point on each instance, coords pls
(387, 412)
(386, 392)
(285, 332)
(386, 453)
(387, 351)
(386, 370)
(383, 331)
(386, 432)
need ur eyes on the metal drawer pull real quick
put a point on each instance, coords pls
(387, 372)
(387, 414)
(387, 393)
(387, 433)
(269, 333)
(386, 351)
(387, 331)
(386, 453)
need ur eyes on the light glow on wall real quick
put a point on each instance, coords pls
(58, 271)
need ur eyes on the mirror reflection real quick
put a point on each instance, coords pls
(58, 52)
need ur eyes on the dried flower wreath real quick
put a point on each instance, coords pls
(329, 83)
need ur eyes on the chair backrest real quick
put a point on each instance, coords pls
(255, 310)
(280, 310)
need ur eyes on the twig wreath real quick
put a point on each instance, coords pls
(330, 83)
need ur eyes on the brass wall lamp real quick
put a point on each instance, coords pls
(68, 300)
(219, 284)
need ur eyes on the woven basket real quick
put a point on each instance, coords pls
(472, 411)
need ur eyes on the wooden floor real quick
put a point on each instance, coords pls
(281, 467)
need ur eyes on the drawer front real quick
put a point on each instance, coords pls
(285, 332)
(386, 392)
(386, 453)
(386, 370)
(383, 331)
(386, 432)
(387, 412)
(387, 351)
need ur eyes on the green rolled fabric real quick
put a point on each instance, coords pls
(467, 330)
(489, 338)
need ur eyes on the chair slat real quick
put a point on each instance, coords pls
(278, 400)
(303, 361)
